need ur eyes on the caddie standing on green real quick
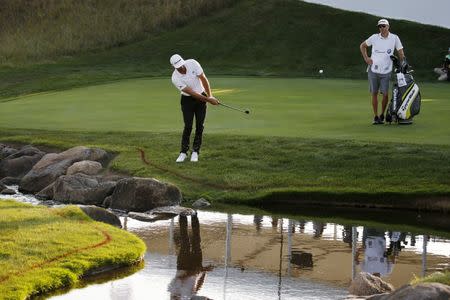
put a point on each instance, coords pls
(380, 64)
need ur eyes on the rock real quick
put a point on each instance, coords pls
(162, 213)
(87, 167)
(101, 215)
(20, 162)
(47, 193)
(107, 201)
(421, 291)
(53, 165)
(6, 151)
(10, 180)
(8, 192)
(2, 186)
(202, 202)
(143, 194)
(83, 189)
(173, 211)
(146, 217)
(366, 284)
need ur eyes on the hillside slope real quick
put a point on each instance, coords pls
(272, 37)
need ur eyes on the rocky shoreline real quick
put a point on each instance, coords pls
(80, 176)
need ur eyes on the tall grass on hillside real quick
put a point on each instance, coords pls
(44, 29)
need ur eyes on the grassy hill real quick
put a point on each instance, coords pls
(273, 37)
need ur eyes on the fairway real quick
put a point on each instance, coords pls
(283, 107)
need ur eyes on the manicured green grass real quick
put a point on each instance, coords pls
(44, 249)
(284, 107)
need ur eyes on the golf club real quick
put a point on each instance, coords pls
(235, 108)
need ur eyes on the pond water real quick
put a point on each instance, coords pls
(235, 256)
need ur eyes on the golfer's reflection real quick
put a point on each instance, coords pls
(190, 274)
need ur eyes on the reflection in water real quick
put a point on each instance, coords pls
(376, 259)
(258, 222)
(265, 258)
(190, 274)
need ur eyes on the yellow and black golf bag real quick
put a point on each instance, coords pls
(406, 98)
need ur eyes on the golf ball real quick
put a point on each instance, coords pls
(320, 71)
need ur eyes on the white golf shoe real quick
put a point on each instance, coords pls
(194, 156)
(181, 157)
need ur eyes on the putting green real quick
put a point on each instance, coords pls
(290, 107)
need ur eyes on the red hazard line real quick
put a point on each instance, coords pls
(59, 257)
(196, 180)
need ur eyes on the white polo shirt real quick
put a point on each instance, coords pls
(190, 79)
(382, 49)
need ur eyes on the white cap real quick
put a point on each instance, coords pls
(176, 61)
(383, 22)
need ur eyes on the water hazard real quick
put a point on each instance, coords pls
(234, 256)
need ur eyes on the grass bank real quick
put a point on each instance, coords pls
(260, 170)
(44, 249)
(439, 277)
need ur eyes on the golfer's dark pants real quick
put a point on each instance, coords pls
(190, 108)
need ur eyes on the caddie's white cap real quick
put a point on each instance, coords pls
(176, 61)
(383, 22)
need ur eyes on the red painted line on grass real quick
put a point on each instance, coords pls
(192, 179)
(107, 239)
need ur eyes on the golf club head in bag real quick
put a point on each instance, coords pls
(406, 98)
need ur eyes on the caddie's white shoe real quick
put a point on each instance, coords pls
(194, 157)
(181, 157)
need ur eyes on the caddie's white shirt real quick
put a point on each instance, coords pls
(190, 79)
(382, 49)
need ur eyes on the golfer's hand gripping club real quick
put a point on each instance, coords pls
(213, 100)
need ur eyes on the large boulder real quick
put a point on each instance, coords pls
(87, 167)
(82, 189)
(422, 291)
(101, 215)
(366, 284)
(20, 162)
(143, 194)
(53, 165)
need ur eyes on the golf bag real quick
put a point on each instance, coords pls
(405, 101)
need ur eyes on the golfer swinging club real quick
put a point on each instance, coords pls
(189, 78)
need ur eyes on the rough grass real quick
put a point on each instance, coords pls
(44, 249)
(42, 29)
